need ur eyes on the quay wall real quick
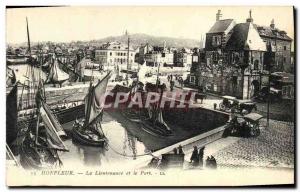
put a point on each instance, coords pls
(210, 124)
(196, 118)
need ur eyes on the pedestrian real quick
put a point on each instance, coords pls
(172, 85)
(215, 106)
(195, 157)
(180, 151)
(201, 153)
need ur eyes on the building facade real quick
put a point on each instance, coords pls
(183, 58)
(114, 54)
(235, 59)
(153, 55)
(280, 43)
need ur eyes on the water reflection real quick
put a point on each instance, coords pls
(122, 147)
(91, 155)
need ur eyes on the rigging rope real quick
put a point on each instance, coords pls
(124, 155)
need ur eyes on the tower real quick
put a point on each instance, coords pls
(218, 15)
(272, 25)
(250, 19)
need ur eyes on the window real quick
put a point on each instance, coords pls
(284, 59)
(110, 53)
(192, 79)
(256, 65)
(195, 58)
(284, 48)
(215, 56)
(216, 40)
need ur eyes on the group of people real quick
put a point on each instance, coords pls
(211, 162)
(178, 150)
(172, 78)
(197, 159)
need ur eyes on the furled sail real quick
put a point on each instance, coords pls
(54, 121)
(53, 129)
(56, 75)
(94, 100)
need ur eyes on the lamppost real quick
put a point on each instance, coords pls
(269, 62)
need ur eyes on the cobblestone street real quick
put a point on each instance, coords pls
(273, 148)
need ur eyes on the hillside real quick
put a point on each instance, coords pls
(135, 40)
(138, 39)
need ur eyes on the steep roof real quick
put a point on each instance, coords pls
(220, 26)
(245, 37)
(272, 33)
(115, 46)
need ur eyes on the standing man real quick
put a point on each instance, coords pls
(171, 85)
(201, 154)
(195, 157)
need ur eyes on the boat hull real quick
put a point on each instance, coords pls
(63, 116)
(29, 157)
(82, 139)
(155, 129)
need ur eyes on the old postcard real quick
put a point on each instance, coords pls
(150, 96)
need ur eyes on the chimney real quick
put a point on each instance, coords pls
(250, 19)
(272, 24)
(218, 15)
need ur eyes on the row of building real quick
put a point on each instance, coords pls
(116, 53)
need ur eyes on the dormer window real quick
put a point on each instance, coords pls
(216, 40)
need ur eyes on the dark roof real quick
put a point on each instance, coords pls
(239, 36)
(220, 26)
(272, 33)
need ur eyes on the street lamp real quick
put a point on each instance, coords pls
(269, 62)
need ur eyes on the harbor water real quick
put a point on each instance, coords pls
(128, 141)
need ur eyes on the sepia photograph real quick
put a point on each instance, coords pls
(150, 96)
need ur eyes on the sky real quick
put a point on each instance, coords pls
(65, 24)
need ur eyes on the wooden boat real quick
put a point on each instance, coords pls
(90, 132)
(150, 119)
(39, 147)
(155, 124)
(63, 116)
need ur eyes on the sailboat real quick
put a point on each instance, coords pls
(90, 132)
(56, 75)
(39, 147)
(154, 123)
(150, 119)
